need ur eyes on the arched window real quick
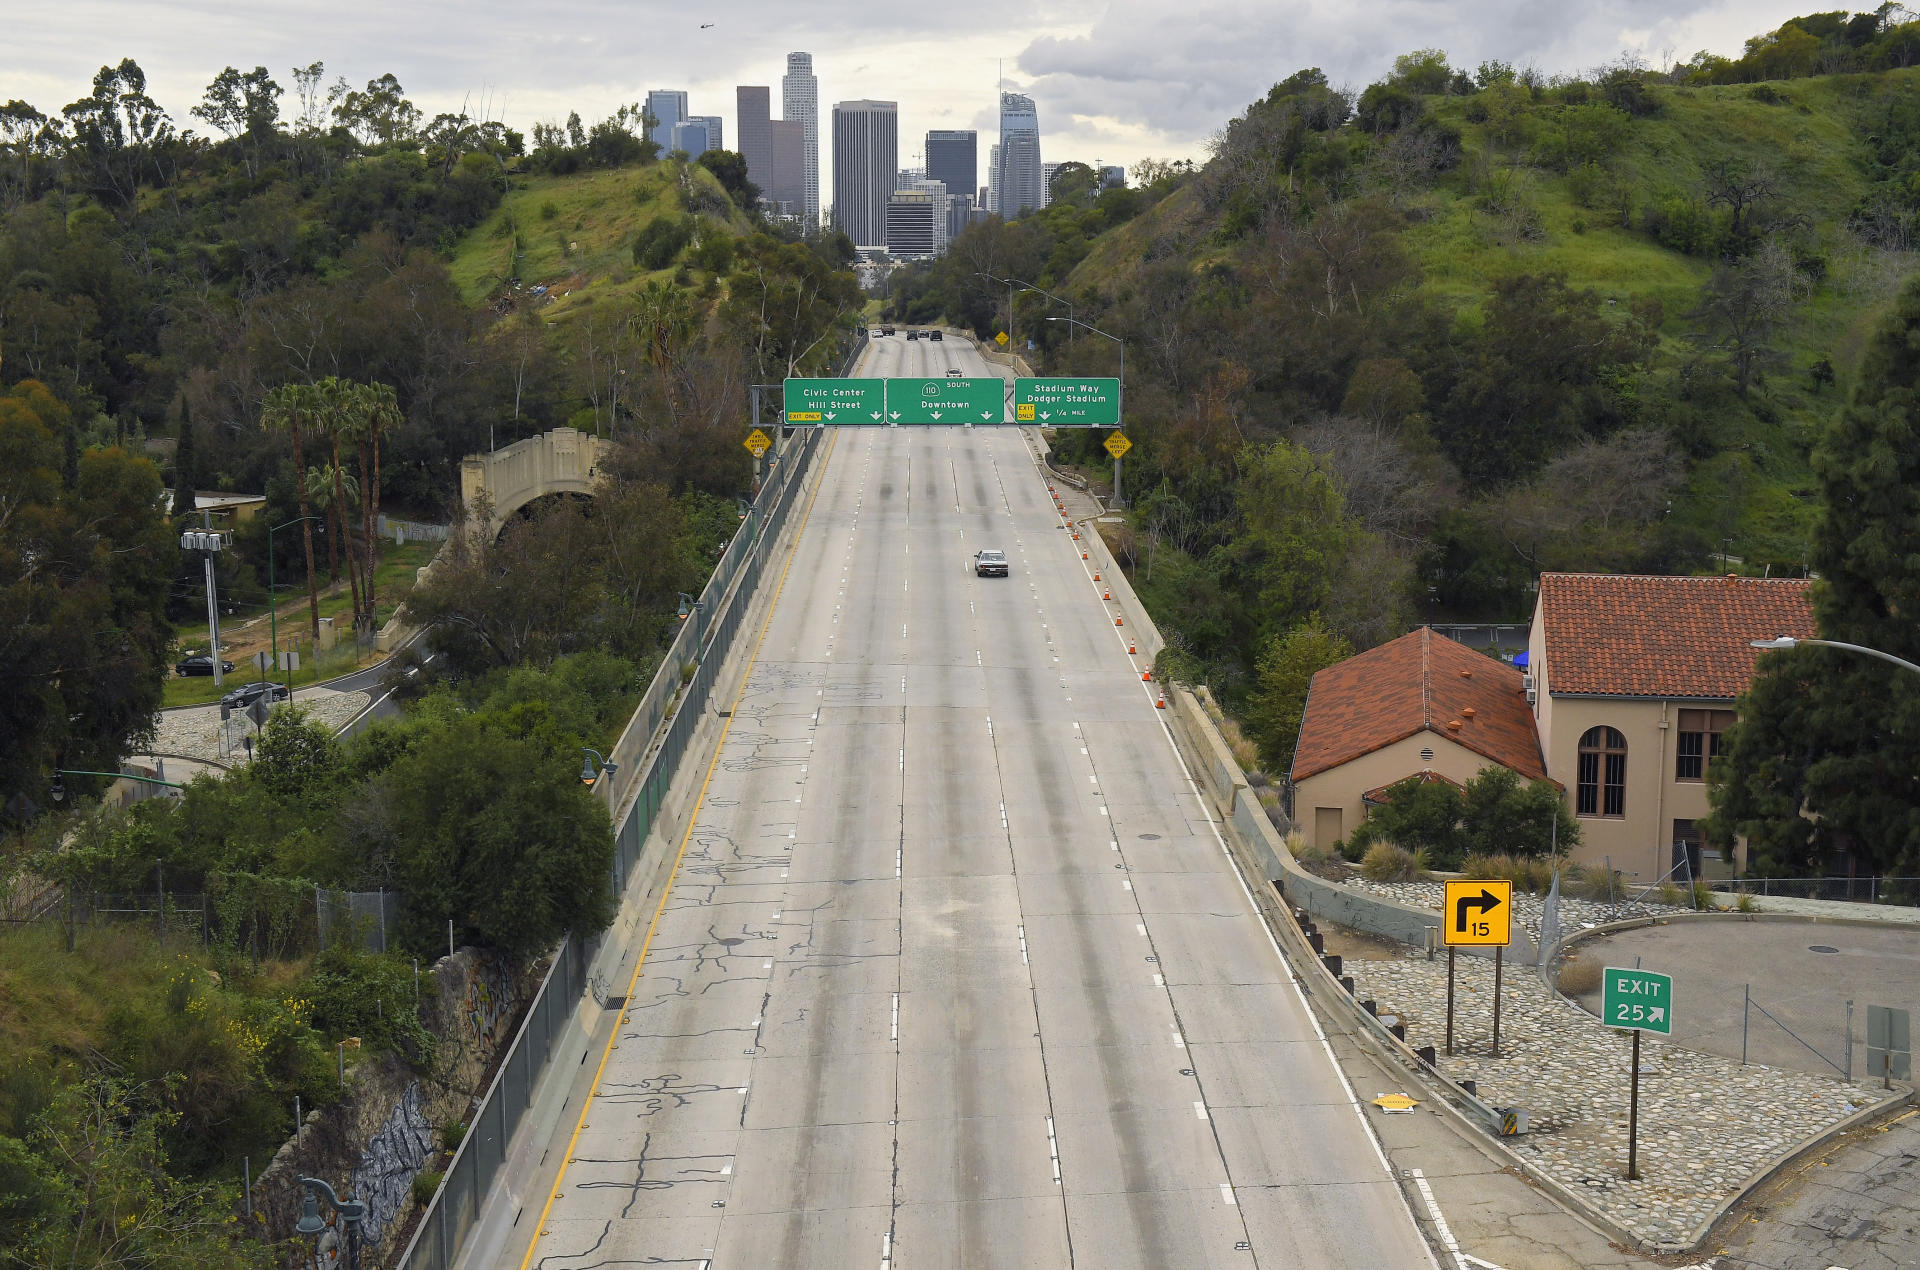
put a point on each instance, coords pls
(1602, 787)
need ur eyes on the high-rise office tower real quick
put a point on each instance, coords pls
(716, 133)
(953, 159)
(668, 106)
(991, 198)
(756, 135)
(917, 221)
(1021, 187)
(800, 103)
(1047, 171)
(866, 157)
(787, 144)
(691, 137)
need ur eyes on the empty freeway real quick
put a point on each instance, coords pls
(954, 970)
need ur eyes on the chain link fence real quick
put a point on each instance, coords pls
(363, 915)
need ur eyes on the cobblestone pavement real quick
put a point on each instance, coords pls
(195, 731)
(1706, 1123)
(1575, 914)
(1857, 1207)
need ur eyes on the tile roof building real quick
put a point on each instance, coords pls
(1633, 681)
(1420, 705)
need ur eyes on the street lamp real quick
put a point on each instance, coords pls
(352, 1214)
(211, 543)
(1784, 642)
(273, 600)
(589, 756)
(1028, 286)
(1117, 500)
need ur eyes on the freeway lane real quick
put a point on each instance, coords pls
(954, 971)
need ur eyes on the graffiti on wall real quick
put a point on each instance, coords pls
(395, 1155)
(489, 1001)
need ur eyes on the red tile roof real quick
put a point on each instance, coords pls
(1419, 681)
(1636, 636)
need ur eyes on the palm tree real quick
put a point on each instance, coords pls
(319, 486)
(379, 411)
(291, 406)
(338, 419)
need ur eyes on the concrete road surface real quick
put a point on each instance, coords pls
(954, 971)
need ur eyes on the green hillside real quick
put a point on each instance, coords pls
(1483, 323)
(575, 234)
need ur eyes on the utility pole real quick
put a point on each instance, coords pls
(205, 540)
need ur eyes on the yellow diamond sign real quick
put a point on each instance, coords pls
(757, 443)
(1117, 444)
(1001, 339)
(1395, 1102)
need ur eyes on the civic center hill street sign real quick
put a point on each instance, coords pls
(836, 401)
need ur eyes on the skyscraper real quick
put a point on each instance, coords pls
(716, 134)
(750, 105)
(1020, 186)
(800, 103)
(953, 159)
(787, 143)
(691, 137)
(917, 221)
(668, 106)
(992, 195)
(866, 158)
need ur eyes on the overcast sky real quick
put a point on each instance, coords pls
(1113, 81)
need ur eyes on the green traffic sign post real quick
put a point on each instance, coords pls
(946, 401)
(1640, 1001)
(1067, 402)
(812, 403)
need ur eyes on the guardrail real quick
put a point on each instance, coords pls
(649, 758)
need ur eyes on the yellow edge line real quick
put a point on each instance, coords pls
(666, 891)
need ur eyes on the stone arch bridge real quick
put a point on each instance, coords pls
(563, 461)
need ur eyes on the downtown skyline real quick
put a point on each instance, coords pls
(1116, 83)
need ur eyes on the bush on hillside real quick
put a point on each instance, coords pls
(1385, 862)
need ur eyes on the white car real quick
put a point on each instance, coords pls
(990, 564)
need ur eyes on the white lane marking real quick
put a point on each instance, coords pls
(1440, 1226)
(896, 1018)
(1125, 885)
(1139, 926)
(1226, 1194)
(1159, 981)
(903, 760)
(1053, 1151)
(1200, 1110)
(1179, 1041)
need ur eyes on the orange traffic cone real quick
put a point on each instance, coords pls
(1096, 575)
(1146, 676)
(1129, 645)
(1161, 704)
(1106, 595)
(1083, 555)
(1116, 621)
(1076, 535)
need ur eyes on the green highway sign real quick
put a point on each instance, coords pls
(817, 402)
(946, 401)
(1639, 1000)
(1067, 402)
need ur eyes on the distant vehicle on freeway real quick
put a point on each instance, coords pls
(954, 373)
(913, 335)
(990, 564)
(200, 664)
(886, 330)
(242, 697)
(936, 337)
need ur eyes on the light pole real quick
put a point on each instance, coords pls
(1791, 641)
(1118, 501)
(588, 757)
(273, 599)
(352, 1213)
(1028, 286)
(211, 543)
(1009, 281)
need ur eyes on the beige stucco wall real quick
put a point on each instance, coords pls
(1344, 786)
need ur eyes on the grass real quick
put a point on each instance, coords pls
(575, 234)
(1578, 974)
(249, 631)
(1385, 862)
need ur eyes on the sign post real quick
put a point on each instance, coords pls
(1117, 445)
(1476, 914)
(1639, 1001)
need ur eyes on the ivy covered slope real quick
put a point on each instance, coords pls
(1393, 352)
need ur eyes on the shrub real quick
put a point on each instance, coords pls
(1589, 882)
(1578, 974)
(1308, 853)
(1526, 874)
(1385, 862)
(1745, 903)
(425, 1183)
(548, 210)
(354, 992)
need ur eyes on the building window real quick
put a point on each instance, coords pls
(1700, 732)
(1602, 787)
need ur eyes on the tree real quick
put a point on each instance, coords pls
(1279, 696)
(186, 469)
(1420, 813)
(496, 833)
(1742, 306)
(729, 167)
(338, 418)
(1825, 758)
(1501, 815)
(292, 408)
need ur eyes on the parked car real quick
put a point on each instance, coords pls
(242, 697)
(200, 664)
(990, 564)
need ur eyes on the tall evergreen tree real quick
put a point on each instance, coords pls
(1826, 756)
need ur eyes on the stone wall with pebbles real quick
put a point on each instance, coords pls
(195, 731)
(1707, 1124)
(1576, 915)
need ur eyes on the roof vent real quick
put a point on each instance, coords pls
(1453, 725)
(1469, 712)
(1426, 755)
(1466, 674)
